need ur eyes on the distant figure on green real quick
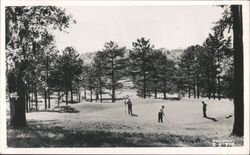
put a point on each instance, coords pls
(204, 108)
(161, 114)
(129, 103)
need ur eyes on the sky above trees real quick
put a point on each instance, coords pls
(170, 27)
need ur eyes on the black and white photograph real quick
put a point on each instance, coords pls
(125, 75)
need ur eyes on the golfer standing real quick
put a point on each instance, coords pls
(204, 109)
(129, 103)
(160, 115)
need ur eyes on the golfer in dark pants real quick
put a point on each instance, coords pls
(129, 107)
(160, 115)
(204, 109)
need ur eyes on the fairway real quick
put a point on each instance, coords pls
(183, 125)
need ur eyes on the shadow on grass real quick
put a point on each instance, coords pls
(213, 119)
(47, 134)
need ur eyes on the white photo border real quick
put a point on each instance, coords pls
(124, 150)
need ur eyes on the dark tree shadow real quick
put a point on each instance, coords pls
(213, 119)
(229, 116)
(134, 115)
(38, 134)
(47, 134)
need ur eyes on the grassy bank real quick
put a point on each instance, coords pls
(108, 125)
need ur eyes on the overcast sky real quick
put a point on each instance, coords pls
(169, 27)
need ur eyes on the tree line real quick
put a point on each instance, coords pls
(205, 71)
(36, 68)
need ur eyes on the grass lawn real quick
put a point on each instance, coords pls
(108, 125)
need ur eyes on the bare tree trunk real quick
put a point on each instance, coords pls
(48, 98)
(32, 95)
(91, 93)
(47, 81)
(79, 95)
(12, 88)
(214, 90)
(194, 88)
(71, 89)
(66, 93)
(219, 88)
(144, 85)
(164, 94)
(189, 88)
(85, 94)
(26, 99)
(19, 117)
(36, 98)
(58, 98)
(208, 85)
(45, 99)
(155, 93)
(100, 81)
(96, 96)
(79, 98)
(71, 97)
(238, 127)
(113, 81)
(29, 100)
(198, 86)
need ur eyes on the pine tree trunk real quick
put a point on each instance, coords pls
(113, 93)
(189, 88)
(214, 91)
(198, 86)
(164, 89)
(71, 93)
(28, 95)
(219, 88)
(208, 85)
(100, 81)
(67, 87)
(71, 88)
(113, 81)
(66, 93)
(26, 99)
(91, 93)
(85, 94)
(47, 82)
(194, 88)
(144, 85)
(96, 97)
(164, 95)
(45, 99)
(155, 93)
(36, 98)
(29, 99)
(58, 98)
(48, 98)
(32, 95)
(238, 127)
(79, 97)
